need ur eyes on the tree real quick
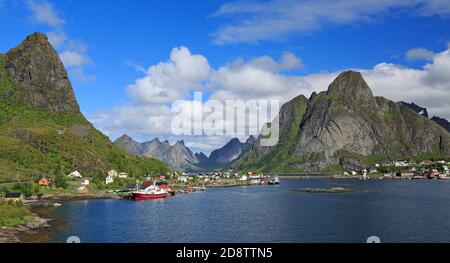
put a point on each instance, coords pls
(60, 177)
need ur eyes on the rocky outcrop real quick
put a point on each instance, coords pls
(442, 122)
(343, 125)
(35, 67)
(420, 110)
(41, 125)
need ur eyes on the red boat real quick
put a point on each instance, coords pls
(151, 192)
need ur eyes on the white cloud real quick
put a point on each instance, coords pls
(254, 21)
(148, 115)
(171, 80)
(45, 13)
(419, 54)
(74, 59)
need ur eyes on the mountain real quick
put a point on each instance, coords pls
(177, 155)
(420, 110)
(41, 125)
(346, 127)
(423, 111)
(228, 153)
(442, 122)
(181, 157)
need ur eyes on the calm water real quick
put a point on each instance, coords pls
(396, 211)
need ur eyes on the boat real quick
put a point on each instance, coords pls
(275, 180)
(150, 192)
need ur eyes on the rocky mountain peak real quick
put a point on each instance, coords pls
(351, 84)
(35, 68)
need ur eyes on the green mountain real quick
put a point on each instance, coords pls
(41, 125)
(346, 127)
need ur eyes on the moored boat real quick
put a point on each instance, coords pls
(151, 192)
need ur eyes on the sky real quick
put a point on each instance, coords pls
(129, 61)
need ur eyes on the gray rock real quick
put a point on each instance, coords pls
(36, 68)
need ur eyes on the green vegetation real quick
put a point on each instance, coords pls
(12, 214)
(35, 142)
(278, 158)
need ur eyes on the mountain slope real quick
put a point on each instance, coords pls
(228, 153)
(346, 127)
(277, 157)
(41, 125)
(442, 122)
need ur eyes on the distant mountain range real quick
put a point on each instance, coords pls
(181, 157)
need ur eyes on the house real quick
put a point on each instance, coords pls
(255, 176)
(244, 178)
(123, 175)
(113, 173)
(182, 179)
(75, 174)
(85, 182)
(407, 174)
(13, 197)
(109, 179)
(45, 182)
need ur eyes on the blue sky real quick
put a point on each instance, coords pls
(107, 41)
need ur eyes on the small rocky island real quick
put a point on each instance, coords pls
(324, 190)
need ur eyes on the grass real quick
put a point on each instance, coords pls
(12, 214)
(34, 141)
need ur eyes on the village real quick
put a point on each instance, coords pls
(120, 185)
(403, 170)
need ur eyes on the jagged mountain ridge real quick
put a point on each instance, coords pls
(181, 157)
(442, 122)
(41, 125)
(346, 127)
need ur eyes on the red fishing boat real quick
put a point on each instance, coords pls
(151, 192)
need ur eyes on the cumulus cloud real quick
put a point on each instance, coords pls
(171, 80)
(254, 21)
(148, 113)
(419, 54)
(73, 53)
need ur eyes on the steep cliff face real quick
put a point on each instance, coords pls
(41, 125)
(35, 68)
(345, 127)
(442, 122)
(228, 153)
(276, 157)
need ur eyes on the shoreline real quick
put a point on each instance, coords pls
(44, 222)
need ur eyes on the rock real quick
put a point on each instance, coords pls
(347, 120)
(442, 122)
(35, 67)
(324, 190)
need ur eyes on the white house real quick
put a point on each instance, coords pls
(354, 173)
(244, 178)
(75, 174)
(182, 179)
(85, 182)
(113, 173)
(109, 180)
